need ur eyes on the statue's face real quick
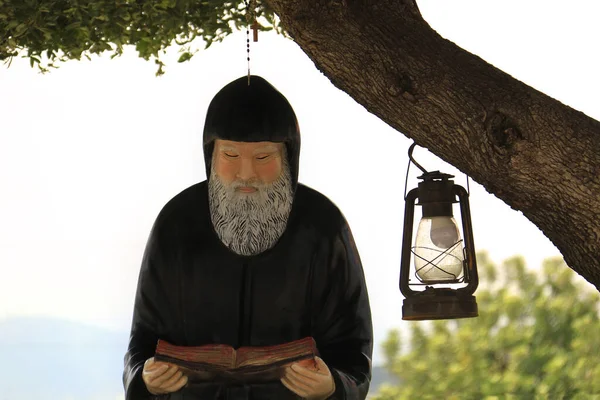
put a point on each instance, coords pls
(247, 162)
(250, 194)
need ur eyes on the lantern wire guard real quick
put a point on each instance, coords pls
(436, 194)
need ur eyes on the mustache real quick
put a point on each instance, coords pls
(253, 183)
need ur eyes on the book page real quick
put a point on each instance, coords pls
(219, 355)
(258, 356)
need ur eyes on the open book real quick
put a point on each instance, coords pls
(218, 362)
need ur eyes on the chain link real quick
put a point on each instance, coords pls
(249, 20)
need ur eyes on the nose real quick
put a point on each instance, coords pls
(246, 171)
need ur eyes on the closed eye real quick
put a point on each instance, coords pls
(263, 157)
(231, 155)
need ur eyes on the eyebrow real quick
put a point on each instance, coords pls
(266, 149)
(224, 147)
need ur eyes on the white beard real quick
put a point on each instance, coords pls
(250, 223)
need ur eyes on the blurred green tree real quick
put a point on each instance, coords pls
(537, 337)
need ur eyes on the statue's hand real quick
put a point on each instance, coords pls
(161, 377)
(309, 383)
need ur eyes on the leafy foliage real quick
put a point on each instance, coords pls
(58, 30)
(535, 338)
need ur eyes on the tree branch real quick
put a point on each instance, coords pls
(536, 154)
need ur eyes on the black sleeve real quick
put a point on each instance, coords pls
(341, 315)
(154, 309)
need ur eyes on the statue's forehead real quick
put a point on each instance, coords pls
(266, 145)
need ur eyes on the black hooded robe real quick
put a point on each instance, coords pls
(193, 290)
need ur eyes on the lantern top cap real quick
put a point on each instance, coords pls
(435, 176)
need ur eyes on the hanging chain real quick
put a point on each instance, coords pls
(250, 18)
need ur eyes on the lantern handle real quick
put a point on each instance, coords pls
(411, 159)
(468, 188)
(406, 180)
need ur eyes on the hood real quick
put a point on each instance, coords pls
(252, 113)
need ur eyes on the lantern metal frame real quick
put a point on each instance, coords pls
(436, 193)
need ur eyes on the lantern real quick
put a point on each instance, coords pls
(444, 259)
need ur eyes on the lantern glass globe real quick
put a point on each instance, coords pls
(438, 250)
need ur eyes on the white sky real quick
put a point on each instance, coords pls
(91, 152)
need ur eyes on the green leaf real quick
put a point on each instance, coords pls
(185, 57)
(73, 25)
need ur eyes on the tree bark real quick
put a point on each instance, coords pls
(533, 152)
